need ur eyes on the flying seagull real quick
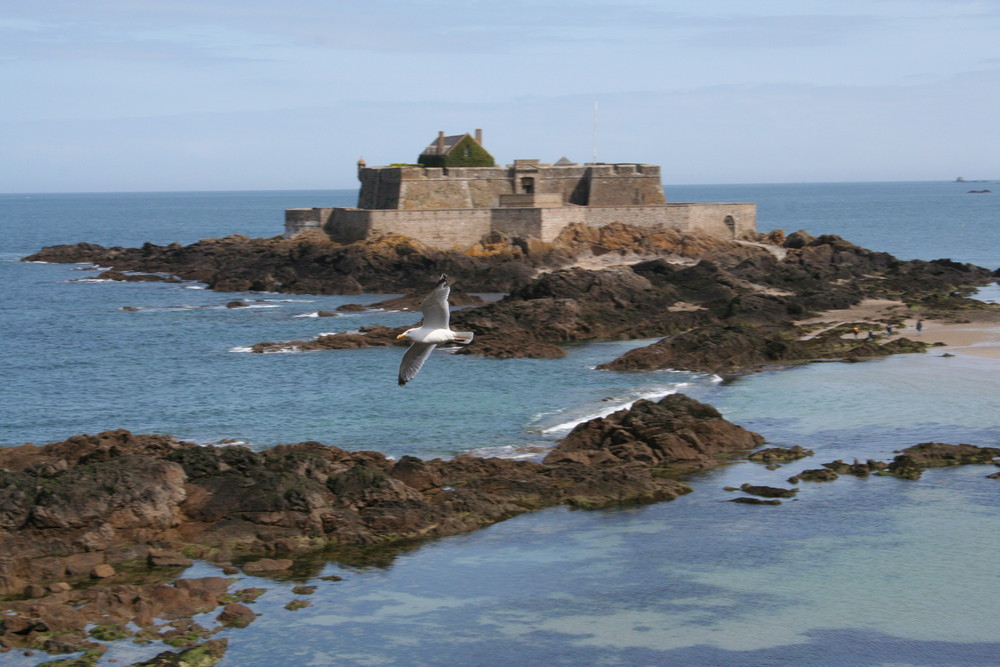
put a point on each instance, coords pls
(431, 332)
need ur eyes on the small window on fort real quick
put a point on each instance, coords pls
(731, 224)
(528, 185)
(468, 152)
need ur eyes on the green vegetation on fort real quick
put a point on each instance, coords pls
(466, 153)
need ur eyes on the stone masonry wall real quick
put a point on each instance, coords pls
(416, 188)
(442, 228)
(448, 228)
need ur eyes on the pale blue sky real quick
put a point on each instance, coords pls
(124, 95)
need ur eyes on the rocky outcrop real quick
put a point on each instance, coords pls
(77, 516)
(62, 619)
(81, 508)
(768, 491)
(909, 463)
(676, 431)
(780, 454)
(912, 461)
(374, 336)
(718, 305)
(312, 263)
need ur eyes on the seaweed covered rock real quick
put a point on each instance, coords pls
(676, 430)
(780, 454)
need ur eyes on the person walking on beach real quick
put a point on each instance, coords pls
(856, 332)
(888, 329)
(920, 326)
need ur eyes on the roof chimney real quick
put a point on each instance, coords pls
(479, 136)
(441, 143)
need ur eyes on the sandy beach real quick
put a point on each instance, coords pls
(980, 336)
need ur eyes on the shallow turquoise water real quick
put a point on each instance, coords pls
(855, 572)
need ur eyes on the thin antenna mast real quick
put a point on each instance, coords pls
(593, 138)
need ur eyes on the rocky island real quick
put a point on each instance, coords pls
(79, 518)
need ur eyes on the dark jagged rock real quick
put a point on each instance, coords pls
(754, 501)
(71, 508)
(202, 655)
(858, 468)
(937, 454)
(911, 463)
(375, 336)
(768, 491)
(137, 277)
(677, 430)
(312, 263)
(780, 454)
(413, 300)
(814, 475)
(114, 498)
(93, 502)
(718, 305)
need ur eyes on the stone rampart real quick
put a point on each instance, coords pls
(415, 187)
(724, 220)
(463, 227)
(441, 228)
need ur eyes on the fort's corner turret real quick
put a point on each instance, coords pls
(456, 194)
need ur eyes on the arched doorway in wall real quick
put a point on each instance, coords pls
(731, 226)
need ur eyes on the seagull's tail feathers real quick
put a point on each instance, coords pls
(463, 337)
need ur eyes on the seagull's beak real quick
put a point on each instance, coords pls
(400, 336)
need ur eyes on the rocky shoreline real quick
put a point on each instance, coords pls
(718, 305)
(96, 529)
(79, 518)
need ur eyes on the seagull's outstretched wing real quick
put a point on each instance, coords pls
(413, 359)
(435, 306)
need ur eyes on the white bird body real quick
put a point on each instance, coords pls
(433, 331)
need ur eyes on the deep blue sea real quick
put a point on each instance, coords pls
(878, 571)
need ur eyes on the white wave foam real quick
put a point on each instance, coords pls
(612, 405)
(193, 287)
(313, 314)
(285, 300)
(241, 348)
(516, 452)
(224, 442)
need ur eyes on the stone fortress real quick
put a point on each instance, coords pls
(456, 195)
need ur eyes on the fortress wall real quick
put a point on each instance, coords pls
(554, 220)
(540, 223)
(348, 225)
(669, 215)
(569, 182)
(415, 188)
(435, 194)
(706, 218)
(619, 189)
(298, 220)
(379, 187)
(517, 221)
(711, 218)
(439, 228)
(446, 228)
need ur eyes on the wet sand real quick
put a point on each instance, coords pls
(979, 337)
